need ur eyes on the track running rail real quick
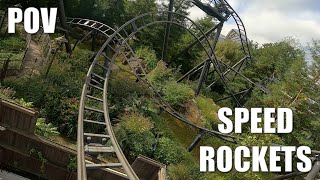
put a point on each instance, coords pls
(93, 111)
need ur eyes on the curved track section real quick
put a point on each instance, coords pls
(128, 30)
(93, 109)
(102, 28)
(242, 34)
(92, 112)
(241, 29)
(226, 10)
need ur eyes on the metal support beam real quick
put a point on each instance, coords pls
(287, 176)
(314, 171)
(216, 38)
(167, 32)
(196, 141)
(79, 41)
(208, 9)
(230, 96)
(193, 70)
(203, 76)
(227, 72)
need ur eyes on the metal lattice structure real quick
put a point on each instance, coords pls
(118, 44)
(95, 88)
(94, 105)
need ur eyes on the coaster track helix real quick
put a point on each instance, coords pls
(98, 74)
(95, 88)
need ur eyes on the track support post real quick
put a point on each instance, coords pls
(196, 141)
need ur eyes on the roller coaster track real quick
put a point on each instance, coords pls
(95, 90)
(102, 28)
(241, 29)
(242, 33)
(93, 108)
(93, 93)
(226, 10)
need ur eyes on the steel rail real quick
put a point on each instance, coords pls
(91, 78)
(129, 56)
(91, 82)
(242, 33)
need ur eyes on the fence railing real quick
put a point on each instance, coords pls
(14, 58)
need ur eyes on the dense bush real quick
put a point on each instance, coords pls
(170, 152)
(177, 94)
(44, 129)
(159, 75)
(57, 95)
(148, 56)
(208, 110)
(8, 94)
(125, 94)
(134, 135)
(185, 171)
(12, 43)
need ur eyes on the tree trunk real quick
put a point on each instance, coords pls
(63, 20)
(2, 18)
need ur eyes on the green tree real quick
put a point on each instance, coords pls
(294, 84)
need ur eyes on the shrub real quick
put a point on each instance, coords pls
(124, 85)
(169, 151)
(208, 110)
(177, 94)
(54, 94)
(24, 103)
(7, 92)
(134, 135)
(148, 56)
(184, 171)
(125, 93)
(159, 75)
(45, 130)
(72, 165)
(13, 43)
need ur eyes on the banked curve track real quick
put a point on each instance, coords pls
(95, 89)
(241, 30)
(99, 74)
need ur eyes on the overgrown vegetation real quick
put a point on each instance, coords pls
(140, 125)
(46, 130)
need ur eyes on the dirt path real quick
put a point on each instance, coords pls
(33, 60)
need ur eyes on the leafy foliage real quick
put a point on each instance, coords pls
(208, 110)
(177, 94)
(134, 134)
(12, 43)
(148, 56)
(72, 165)
(169, 152)
(159, 75)
(46, 130)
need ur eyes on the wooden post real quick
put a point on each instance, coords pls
(62, 17)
